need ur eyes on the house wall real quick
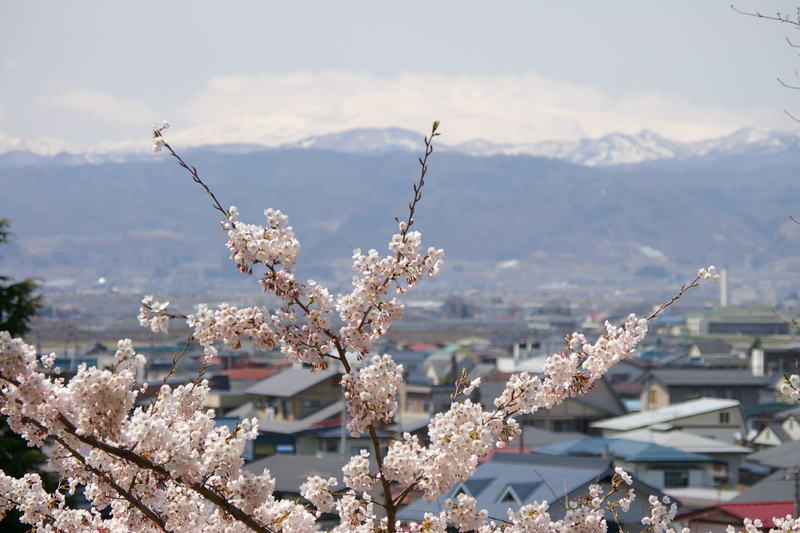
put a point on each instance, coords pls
(699, 474)
(709, 425)
(767, 437)
(302, 404)
(654, 396)
(309, 444)
(732, 462)
(714, 426)
(792, 427)
(745, 395)
(569, 416)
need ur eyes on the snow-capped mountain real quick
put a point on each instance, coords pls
(363, 140)
(611, 149)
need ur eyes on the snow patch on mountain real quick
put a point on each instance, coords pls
(608, 150)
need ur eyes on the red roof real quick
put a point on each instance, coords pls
(627, 387)
(422, 347)
(764, 511)
(250, 374)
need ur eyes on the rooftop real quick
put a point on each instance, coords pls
(763, 511)
(665, 414)
(291, 471)
(289, 382)
(695, 376)
(683, 440)
(289, 427)
(634, 451)
(786, 455)
(774, 487)
(530, 477)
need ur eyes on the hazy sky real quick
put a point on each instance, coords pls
(95, 72)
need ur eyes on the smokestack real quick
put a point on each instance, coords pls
(757, 361)
(723, 288)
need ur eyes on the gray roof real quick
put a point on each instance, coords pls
(531, 477)
(683, 440)
(715, 377)
(289, 427)
(246, 410)
(776, 430)
(533, 436)
(291, 471)
(791, 411)
(665, 414)
(289, 382)
(633, 451)
(784, 456)
(777, 487)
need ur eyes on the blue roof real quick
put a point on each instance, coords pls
(530, 477)
(633, 451)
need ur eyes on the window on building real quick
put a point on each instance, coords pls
(508, 496)
(724, 417)
(676, 478)
(310, 404)
(562, 426)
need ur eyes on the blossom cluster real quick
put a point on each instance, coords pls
(153, 314)
(790, 387)
(367, 311)
(228, 323)
(157, 467)
(371, 393)
(708, 273)
(273, 244)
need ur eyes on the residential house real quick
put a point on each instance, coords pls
(513, 480)
(715, 418)
(290, 403)
(774, 496)
(656, 465)
(783, 427)
(291, 471)
(574, 414)
(755, 321)
(786, 455)
(665, 386)
(294, 393)
(727, 457)
(717, 519)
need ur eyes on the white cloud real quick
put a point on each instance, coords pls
(276, 108)
(101, 106)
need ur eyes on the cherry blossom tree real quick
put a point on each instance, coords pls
(167, 466)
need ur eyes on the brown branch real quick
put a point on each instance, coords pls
(193, 171)
(787, 85)
(412, 206)
(777, 17)
(18, 505)
(684, 288)
(125, 493)
(391, 508)
(146, 464)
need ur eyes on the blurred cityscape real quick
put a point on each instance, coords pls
(695, 415)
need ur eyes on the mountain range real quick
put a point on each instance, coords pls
(520, 217)
(609, 150)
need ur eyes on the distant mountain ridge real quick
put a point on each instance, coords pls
(533, 219)
(609, 150)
